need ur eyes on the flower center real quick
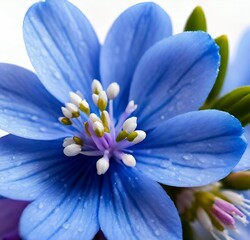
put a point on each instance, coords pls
(98, 134)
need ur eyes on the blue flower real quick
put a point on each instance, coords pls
(92, 169)
(9, 217)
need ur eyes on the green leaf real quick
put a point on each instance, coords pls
(236, 103)
(222, 42)
(196, 21)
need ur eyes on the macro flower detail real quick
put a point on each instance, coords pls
(102, 137)
(99, 126)
(217, 210)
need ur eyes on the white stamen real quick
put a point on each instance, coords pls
(113, 90)
(233, 197)
(75, 98)
(95, 98)
(68, 141)
(131, 107)
(96, 86)
(140, 137)
(71, 107)
(241, 219)
(103, 96)
(80, 94)
(128, 160)
(204, 219)
(84, 103)
(107, 118)
(98, 127)
(102, 165)
(66, 112)
(72, 150)
(94, 118)
(130, 124)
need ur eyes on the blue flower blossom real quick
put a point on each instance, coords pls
(127, 120)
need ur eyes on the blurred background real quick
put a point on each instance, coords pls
(228, 17)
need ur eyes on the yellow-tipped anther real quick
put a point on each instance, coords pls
(98, 129)
(84, 107)
(132, 136)
(106, 121)
(86, 127)
(65, 121)
(78, 140)
(121, 136)
(102, 101)
(96, 87)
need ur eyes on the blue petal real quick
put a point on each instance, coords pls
(26, 108)
(239, 70)
(29, 167)
(244, 163)
(62, 46)
(174, 76)
(135, 207)
(192, 149)
(137, 29)
(67, 210)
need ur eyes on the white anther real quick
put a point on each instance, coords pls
(94, 118)
(68, 141)
(84, 103)
(204, 219)
(96, 86)
(113, 90)
(95, 98)
(71, 107)
(102, 165)
(128, 160)
(141, 135)
(131, 107)
(97, 126)
(233, 197)
(80, 94)
(75, 98)
(72, 150)
(66, 112)
(103, 96)
(107, 118)
(130, 124)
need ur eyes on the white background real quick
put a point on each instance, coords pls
(230, 17)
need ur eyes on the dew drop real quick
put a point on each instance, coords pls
(80, 230)
(157, 232)
(43, 129)
(40, 205)
(34, 118)
(66, 225)
(187, 157)
(56, 210)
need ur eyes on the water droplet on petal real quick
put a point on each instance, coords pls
(40, 205)
(66, 225)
